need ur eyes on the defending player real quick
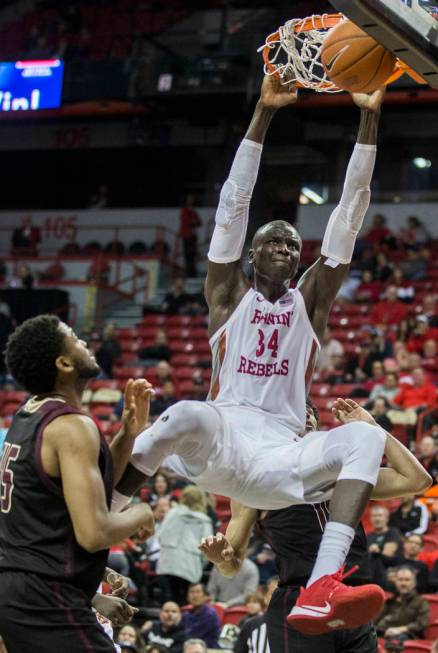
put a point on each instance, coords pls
(56, 479)
(294, 535)
(244, 441)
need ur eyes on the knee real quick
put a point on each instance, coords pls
(367, 436)
(184, 417)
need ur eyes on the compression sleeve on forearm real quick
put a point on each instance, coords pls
(232, 212)
(347, 218)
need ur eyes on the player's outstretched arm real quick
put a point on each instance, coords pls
(320, 284)
(227, 552)
(406, 474)
(76, 442)
(226, 283)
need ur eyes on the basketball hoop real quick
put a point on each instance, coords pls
(292, 54)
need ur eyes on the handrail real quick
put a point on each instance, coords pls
(421, 418)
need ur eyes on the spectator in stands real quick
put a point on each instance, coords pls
(331, 351)
(428, 456)
(129, 635)
(383, 539)
(232, 591)
(168, 630)
(181, 563)
(368, 291)
(23, 277)
(161, 488)
(265, 561)
(153, 548)
(410, 517)
(255, 606)
(388, 389)
(163, 399)
(406, 615)
(159, 351)
(378, 233)
(430, 309)
(419, 396)
(389, 311)
(189, 223)
(201, 621)
(195, 646)
(412, 548)
(382, 269)
(415, 268)
(422, 332)
(430, 354)
(25, 239)
(100, 199)
(177, 300)
(379, 409)
(164, 373)
(253, 638)
(405, 290)
(416, 234)
(109, 349)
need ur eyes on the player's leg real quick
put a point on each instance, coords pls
(187, 429)
(351, 455)
(36, 615)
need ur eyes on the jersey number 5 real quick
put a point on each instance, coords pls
(272, 344)
(10, 454)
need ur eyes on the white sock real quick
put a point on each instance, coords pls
(119, 501)
(335, 544)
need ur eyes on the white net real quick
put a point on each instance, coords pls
(294, 54)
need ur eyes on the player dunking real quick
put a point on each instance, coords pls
(244, 441)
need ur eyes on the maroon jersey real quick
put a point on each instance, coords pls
(36, 532)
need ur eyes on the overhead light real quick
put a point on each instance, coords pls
(312, 195)
(303, 199)
(420, 162)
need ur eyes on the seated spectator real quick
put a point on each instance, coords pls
(428, 456)
(25, 239)
(430, 309)
(388, 389)
(201, 620)
(100, 199)
(163, 399)
(421, 333)
(415, 268)
(376, 377)
(232, 591)
(255, 606)
(109, 349)
(415, 235)
(419, 396)
(23, 277)
(378, 233)
(383, 539)
(164, 372)
(406, 615)
(161, 508)
(254, 630)
(177, 299)
(382, 269)
(159, 350)
(430, 354)
(168, 630)
(331, 351)
(181, 563)
(412, 548)
(410, 517)
(265, 561)
(161, 489)
(405, 290)
(390, 311)
(379, 409)
(369, 289)
(129, 635)
(195, 646)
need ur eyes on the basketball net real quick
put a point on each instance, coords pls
(293, 54)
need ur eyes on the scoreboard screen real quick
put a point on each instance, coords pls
(31, 85)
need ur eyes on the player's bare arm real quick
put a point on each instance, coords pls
(135, 419)
(406, 474)
(70, 450)
(227, 552)
(226, 282)
(320, 284)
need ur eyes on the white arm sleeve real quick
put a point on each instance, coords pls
(346, 220)
(232, 212)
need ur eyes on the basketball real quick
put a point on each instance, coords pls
(354, 61)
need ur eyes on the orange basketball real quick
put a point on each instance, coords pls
(353, 60)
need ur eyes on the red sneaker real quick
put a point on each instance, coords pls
(329, 605)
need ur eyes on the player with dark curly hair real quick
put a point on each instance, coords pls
(57, 477)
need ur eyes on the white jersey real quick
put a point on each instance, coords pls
(263, 358)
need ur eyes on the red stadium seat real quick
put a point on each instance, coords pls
(102, 412)
(130, 345)
(179, 321)
(127, 333)
(417, 646)
(344, 390)
(184, 373)
(235, 615)
(9, 408)
(182, 346)
(430, 542)
(181, 360)
(431, 631)
(147, 332)
(16, 396)
(432, 599)
(220, 611)
(183, 333)
(126, 373)
(104, 383)
(153, 320)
